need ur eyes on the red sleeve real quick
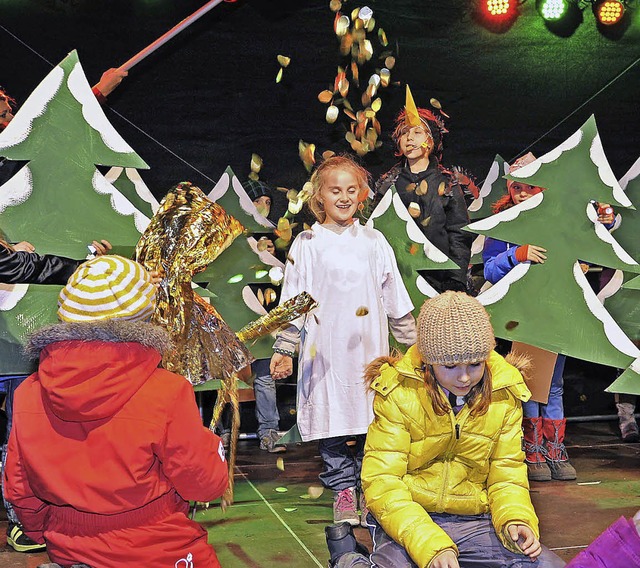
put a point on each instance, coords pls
(192, 456)
(101, 98)
(30, 510)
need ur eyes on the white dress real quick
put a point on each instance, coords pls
(348, 273)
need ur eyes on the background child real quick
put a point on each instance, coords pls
(543, 424)
(436, 199)
(443, 471)
(107, 447)
(351, 271)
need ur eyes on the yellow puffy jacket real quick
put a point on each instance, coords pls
(417, 462)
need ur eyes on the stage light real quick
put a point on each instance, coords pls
(552, 10)
(608, 12)
(499, 8)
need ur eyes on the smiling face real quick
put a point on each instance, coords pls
(459, 379)
(522, 191)
(339, 196)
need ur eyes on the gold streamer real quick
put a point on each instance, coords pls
(285, 312)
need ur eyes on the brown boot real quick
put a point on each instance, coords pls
(537, 468)
(556, 453)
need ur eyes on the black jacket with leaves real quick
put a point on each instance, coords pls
(442, 215)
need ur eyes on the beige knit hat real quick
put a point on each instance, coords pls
(454, 328)
(107, 287)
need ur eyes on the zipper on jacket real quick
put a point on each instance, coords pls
(457, 431)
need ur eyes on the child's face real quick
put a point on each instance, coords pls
(415, 142)
(522, 191)
(339, 196)
(459, 379)
(5, 112)
(263, 205)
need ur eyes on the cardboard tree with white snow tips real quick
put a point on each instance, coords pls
(551, 305)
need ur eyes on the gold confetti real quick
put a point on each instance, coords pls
(269, 296)
(390, 62)
(382, 37)
(411, 187)
(292, 195)
(325, 156)
(335, 5)
(422, 188)
(355, 73)
(256, 163)
(235, 279)
(376, 105)
(290, 509)
(279, 75)
(362, 311)
(259, 294)
(254, 176)
(425, 221)
(343, 86)
(355, 13)
(284, 60)
(341, 25)
(312, 351)
(414, 248)
(332, 114)
(385, 77)
(441, 188)
(414, 209)
(280, 464)
(315, 491)
(325, 96)
(435, 103)
(281, 490)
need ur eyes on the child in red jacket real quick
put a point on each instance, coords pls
(107, 447)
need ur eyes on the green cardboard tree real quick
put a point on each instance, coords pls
(59, 201)
(412, 249)
(241, 264)
(551, 305)
(493, 188)
(130, 183)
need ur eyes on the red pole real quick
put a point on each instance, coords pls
(175, 30)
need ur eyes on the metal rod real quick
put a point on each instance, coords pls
(595, 418)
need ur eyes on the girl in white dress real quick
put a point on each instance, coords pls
(351, 271)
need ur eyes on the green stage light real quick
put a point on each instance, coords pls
(552, 10)
(608, 12)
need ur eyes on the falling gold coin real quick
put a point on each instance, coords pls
(279, 75)
(335, 5)
(280, 464)
(362, 311)
(284, 60)
(422, 188)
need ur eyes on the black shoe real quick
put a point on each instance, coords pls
(341, 540)
(20, 542)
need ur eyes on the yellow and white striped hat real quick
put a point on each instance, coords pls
(107, 287)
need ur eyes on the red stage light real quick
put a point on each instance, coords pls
(608, 12)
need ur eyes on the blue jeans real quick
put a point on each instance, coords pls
(474, 535)
(342, 464)
(554, 409)
(264, 388)
(10, 386)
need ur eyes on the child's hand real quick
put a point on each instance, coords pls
(606, 218)
(102, 247)
(523, 536)
(531, 253)
(110, 79)
(24, 246)
(281, 366)
(446, 559)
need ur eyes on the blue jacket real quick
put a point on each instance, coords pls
(499, 258)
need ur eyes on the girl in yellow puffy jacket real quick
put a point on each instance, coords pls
(443, 473)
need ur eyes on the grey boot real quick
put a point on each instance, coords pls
(628, 425)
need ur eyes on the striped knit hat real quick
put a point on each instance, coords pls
(107, 287)
(454, 328)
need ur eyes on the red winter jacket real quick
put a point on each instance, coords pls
(106, 448)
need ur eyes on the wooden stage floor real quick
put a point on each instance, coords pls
(268, 527)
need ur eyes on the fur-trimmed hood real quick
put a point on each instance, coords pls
(88, 371)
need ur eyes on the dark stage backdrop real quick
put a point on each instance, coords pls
(209, 99)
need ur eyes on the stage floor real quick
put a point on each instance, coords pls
(269, 527)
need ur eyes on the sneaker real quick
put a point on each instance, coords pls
(269, 443)
(20, 542)
(364, 511)
(344, 507)
(629, 432)
(538, 471)
(562, 470)
(342, 545)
